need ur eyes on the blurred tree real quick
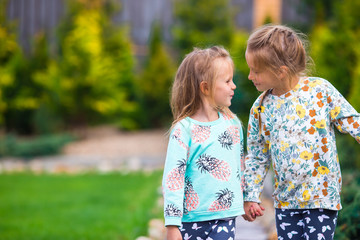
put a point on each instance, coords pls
(246, 93)
(333, 56)
(334, 45)
(9, 52)
(201, 23)
(91, 79)
(155, 82)
(335, 49)
(19, 94)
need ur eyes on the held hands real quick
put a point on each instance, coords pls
(173, 233)
(252, 210)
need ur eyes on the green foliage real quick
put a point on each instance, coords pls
(91, 80)
(348, 150)
(348, 225)
(336, 53)
(154, 84)
(10, 56)
(39, 146)
(245, 93)
(201, 23)
(349, 15)
(91, 206)
(24, 95)
(333, 56)
(335, 47)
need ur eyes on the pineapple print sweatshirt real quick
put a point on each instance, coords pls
(203, 171)
(297, 135)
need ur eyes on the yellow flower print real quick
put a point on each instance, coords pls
(314, 83)
(291, 186)
(265, 150)
(339, 128)
(300, 143)
(306, 155)
(303, 205)
(320, 124)
(323, 170)
(262, 109)
(269, 144)
(296, 87)
(284, 146)
(306, 195)
(284, 204)
(279, 103)
(288, 117)
(335, 112)
(296, 161)
(258, 179)
(300, 111)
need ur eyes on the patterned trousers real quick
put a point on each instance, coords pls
(209, 230)
(309, 224)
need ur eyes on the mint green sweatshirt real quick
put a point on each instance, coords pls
(203, 174)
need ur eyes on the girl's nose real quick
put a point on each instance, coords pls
(233, 85)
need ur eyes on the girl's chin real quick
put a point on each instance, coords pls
(261, 89)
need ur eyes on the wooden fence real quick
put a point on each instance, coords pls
(33, 16)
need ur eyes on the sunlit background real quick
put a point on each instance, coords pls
(70, 66)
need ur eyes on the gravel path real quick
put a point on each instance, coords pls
(101, 149)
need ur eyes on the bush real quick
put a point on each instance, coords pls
(202, 23)
(154, 83)
(39, 146)
(348, 226)
(91, 78)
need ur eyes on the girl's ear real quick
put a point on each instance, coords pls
(283, 73)
(204, 88)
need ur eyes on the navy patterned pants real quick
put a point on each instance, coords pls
(309, 224)
(209, 230)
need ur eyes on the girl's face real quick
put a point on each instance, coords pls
(263, 79)
(224, 85)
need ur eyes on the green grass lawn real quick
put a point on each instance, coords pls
(91, 206)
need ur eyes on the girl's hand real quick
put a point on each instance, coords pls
(252, 210)
(173, 233)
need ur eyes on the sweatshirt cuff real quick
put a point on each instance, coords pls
(172, 221)
(252, 197)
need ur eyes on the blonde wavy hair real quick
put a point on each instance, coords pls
(196, 67)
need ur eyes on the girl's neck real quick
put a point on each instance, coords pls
(286, 86)
(206, 113)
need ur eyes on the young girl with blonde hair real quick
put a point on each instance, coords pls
(203, 171)
(291, 126)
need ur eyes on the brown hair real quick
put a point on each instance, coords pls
(196, 67)
(274, 46)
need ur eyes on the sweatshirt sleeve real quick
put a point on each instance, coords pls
(242, 157)
(174, 175)
(258, 159)
(345, 118)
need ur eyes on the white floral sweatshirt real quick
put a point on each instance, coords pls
(297, 137)
(203, 171)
